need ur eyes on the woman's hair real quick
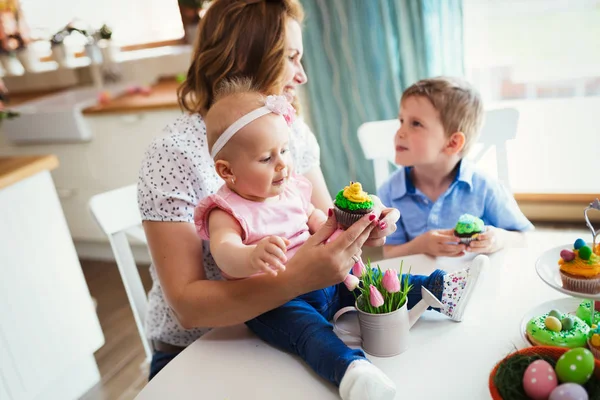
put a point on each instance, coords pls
(238, 39)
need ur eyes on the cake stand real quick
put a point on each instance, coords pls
(547, 268)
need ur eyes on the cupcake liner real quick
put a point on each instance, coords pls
(345, 219)
(581, 285)
(595, 351)
(467, 240)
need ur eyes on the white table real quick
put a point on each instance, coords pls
(446, 360)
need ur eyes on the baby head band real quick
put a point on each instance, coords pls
(273, 104)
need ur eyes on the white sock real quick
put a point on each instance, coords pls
(364, 381)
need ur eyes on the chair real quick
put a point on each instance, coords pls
(117, 214)
(377, 138)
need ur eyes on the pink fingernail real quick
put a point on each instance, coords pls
(330, 212)
(372, 217)
(382, 225)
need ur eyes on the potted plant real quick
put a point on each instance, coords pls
(104, 38)
(382, 306)
(190, 11)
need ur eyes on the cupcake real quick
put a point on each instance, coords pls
(584, 312)
(580, 268)
(594, 341)
(351, 204)
(468, 228)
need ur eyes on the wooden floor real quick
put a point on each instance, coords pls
(121, 360)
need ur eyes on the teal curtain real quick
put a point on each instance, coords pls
(359, 56)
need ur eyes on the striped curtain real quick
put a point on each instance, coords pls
(359, 56)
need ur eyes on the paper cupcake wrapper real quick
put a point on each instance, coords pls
(467, 240)
(346, 219)
(589, 286)
(595, 351)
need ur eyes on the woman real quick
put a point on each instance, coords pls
(261, 40)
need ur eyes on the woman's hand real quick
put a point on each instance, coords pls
(386, 224)
(318, 264)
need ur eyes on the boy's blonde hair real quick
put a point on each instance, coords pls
(459, 104)
(234, 98)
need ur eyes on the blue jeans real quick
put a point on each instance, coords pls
(159, 361)
(301, 326)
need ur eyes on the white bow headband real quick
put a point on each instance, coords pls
(273, 104)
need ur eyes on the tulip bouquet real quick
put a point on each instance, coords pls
(380, 292)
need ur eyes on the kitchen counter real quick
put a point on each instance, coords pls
(17, 168)
(162, 96)
(42, 287)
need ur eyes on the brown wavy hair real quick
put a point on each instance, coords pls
(243, 39)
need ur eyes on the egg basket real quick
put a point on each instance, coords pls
(550, 352)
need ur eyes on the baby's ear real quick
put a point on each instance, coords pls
(224, 170)
(455, 143)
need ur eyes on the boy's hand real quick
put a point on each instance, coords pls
(440, 243)
(487, 242)
(269, 255)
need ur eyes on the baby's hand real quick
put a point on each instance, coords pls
(269, 255)
(441, 243)
(487, 242)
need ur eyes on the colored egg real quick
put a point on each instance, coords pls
(567, 323)
(596, 340)
(567, 255)
(569, 391)
(579, 243)
(555, 313)
(539, 380)
(553, 323)
(576, 366)
(585, 253)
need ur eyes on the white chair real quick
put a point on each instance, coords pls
(117, 214)
(377, 138)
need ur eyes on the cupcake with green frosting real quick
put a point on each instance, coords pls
(351, 204)
(468, 228)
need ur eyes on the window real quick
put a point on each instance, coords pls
(132, 21)
(541, 57)
(533, 49)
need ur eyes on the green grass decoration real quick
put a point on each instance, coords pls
(509, 377)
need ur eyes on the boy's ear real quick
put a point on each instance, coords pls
(456, 143)
(224, 170)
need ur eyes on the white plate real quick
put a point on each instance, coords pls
(547, 269)
(564, 305)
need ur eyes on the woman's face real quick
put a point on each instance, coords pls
(294, 72)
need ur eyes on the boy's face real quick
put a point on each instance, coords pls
(262, 162)
(421, 139)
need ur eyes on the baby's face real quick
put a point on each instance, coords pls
(420, 138)
(262, 162)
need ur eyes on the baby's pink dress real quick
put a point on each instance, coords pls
(286, 217)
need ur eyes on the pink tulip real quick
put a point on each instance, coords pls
(351, 282)
(390, 281)
(359, 268)
(375, 297)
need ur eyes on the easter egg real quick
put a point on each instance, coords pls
(553, 323)
(575, 366)
(567, 255)
(569, 391)
(595, 340)
(539, 380)
(585, 253)
(579, 243)
(567, 323)
(555, 313)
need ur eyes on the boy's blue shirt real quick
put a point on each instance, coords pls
(471, 192)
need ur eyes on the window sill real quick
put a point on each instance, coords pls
(121, 57)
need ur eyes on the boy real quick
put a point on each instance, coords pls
(440, 119)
